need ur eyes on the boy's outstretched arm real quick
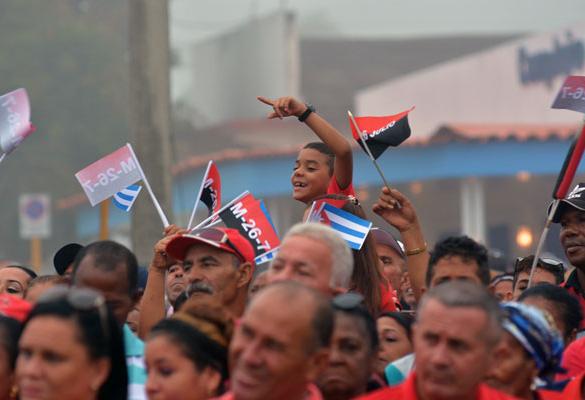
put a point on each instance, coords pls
(289, 106)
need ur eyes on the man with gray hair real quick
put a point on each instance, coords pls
(316, 256)
(457, 327)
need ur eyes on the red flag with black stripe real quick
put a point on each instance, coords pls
(251, 218)
(380, 133)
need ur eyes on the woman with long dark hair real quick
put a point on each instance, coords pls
(71, 348)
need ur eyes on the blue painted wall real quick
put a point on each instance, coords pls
(269, 177)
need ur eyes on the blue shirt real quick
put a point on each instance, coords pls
(134, 348)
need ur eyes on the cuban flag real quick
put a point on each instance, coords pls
(126, 197)
(266, 257)
(352, 229)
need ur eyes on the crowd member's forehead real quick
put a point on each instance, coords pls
(201, 250)
(464, 294)
(282, 311)
(115, 276)
(453, 267)
(292, 301)
(15, 273)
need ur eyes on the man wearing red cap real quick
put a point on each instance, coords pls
(216, 261)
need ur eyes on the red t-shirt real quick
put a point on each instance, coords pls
(573, 389)
(334, 188)
(311, 394)
(573, 360)
(572, 285)
(407, 391)
(388, 298)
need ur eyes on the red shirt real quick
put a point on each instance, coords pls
(573, 286)
(407, 391)
(573, 360)
(312, 394)
(388, 298)
(573, 389)
(334, 188)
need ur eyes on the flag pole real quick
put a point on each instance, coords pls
(542, 239)
(199, 195)
(159, 209)
(215, 214)
(360, 134)
(352, 119)
(563, 182)
(308, 218)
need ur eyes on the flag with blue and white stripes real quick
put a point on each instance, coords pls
(266, 257)
(352, 229)
(125, 198)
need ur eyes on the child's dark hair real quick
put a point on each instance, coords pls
(323, 149)
(403, 319)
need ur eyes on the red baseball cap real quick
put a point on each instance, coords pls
(14, 307)
(226, 239)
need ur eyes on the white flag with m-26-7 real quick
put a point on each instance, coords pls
(109, 175)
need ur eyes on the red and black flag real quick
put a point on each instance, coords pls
(249, 216)
(381, 132)
(209, 192)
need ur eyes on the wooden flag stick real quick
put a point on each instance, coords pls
(215, 214)
(563, 182)
(159, 209)
(360, 134)
(542, 239)
(352, 119)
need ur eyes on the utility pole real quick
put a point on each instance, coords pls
(150, 119)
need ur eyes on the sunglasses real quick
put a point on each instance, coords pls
(82, 300)
(348, 301)
(555, 264)
(213, 236)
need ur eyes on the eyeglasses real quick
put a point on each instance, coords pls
(348, 301)
(81, 299)
(213, 236)
(555, 264)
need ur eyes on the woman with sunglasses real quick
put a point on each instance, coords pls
(186, 355)
(71, 348)
(353, 351)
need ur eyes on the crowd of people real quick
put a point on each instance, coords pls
(395, 319)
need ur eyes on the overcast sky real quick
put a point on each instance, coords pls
(199, 19)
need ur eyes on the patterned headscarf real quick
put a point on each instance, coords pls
(537, 333)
